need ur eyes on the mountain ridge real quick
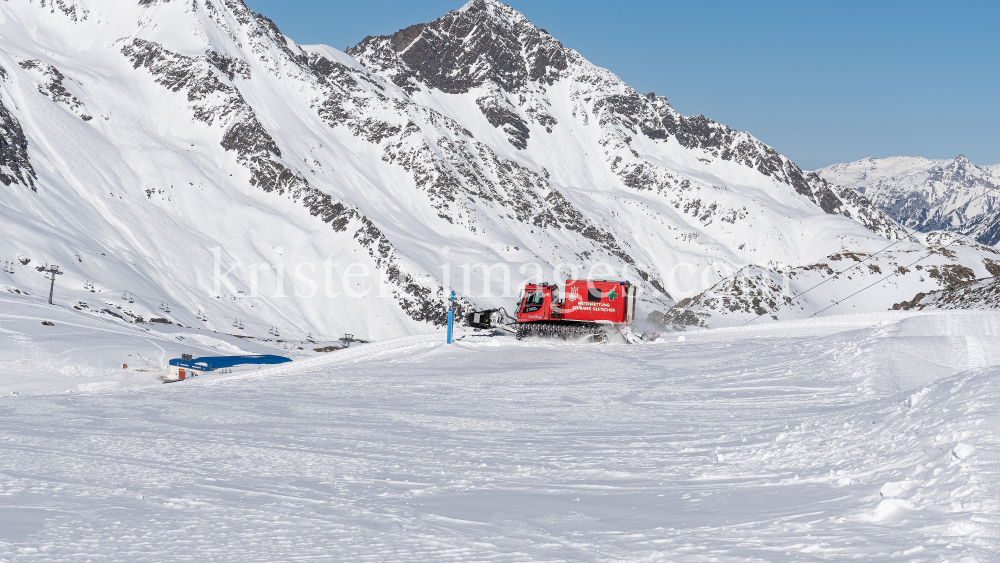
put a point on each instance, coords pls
(216, 142)
(403, 56)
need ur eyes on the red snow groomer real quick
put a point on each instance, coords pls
(595, 309)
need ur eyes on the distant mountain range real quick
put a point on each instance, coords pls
(935, 196)
(928, 195)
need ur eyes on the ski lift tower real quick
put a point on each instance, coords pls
(53, 271)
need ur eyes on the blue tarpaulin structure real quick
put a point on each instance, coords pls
(211, 363)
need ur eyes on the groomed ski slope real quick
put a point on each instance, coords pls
(869, 437)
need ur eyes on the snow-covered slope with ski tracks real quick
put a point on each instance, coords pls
(853, 437)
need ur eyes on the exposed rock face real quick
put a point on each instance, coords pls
(69, 8)
(460, 175)
(654, 117)
(928, 195)
(502, 115)
(212, 101)
(54, 89)
(485, 41)
(15, 168)
(230, 66)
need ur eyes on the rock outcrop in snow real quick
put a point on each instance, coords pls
(15, 168)
(979, 294)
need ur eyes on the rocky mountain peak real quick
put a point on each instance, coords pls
(959, 173)
(493, 8)
(484, 41)
(960, 163)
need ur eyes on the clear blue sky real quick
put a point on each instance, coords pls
(821, 81)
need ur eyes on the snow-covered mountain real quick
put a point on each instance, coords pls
(487, 66)
(928, 195)
(187, 161)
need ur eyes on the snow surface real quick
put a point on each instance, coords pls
(843, 438)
